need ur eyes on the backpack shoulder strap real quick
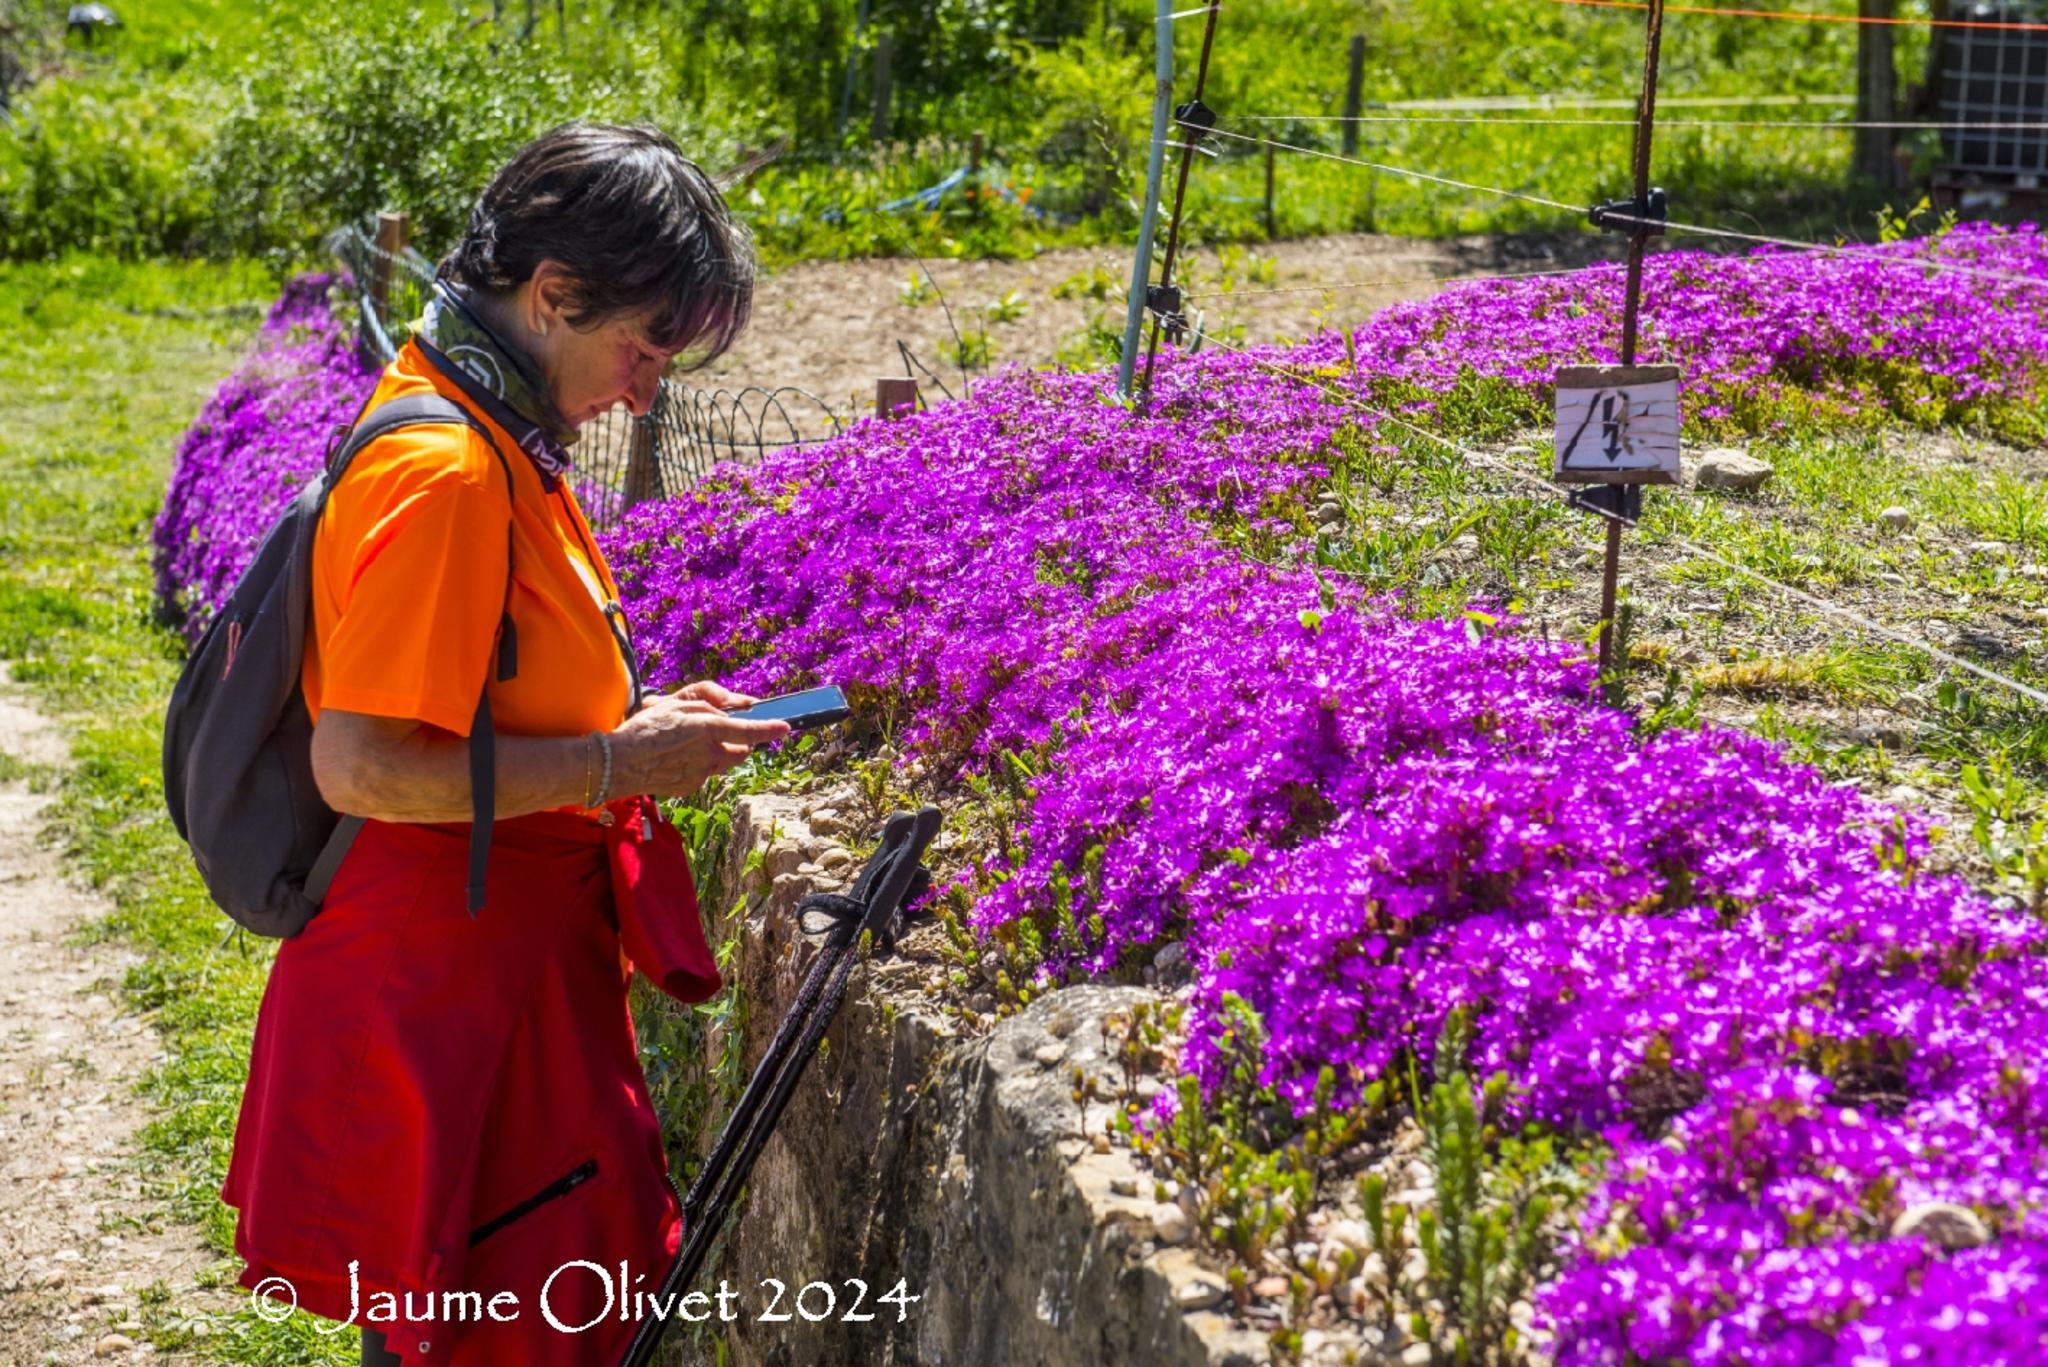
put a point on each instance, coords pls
(417, 410)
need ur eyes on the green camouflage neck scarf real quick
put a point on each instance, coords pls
(453, 327)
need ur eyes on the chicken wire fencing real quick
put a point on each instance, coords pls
(620, 460)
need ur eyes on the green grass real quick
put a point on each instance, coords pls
(104, 366)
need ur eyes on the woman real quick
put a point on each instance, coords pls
(446, 1136)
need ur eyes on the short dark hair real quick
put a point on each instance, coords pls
(638, 225)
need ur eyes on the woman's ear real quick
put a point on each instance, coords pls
(549, 299)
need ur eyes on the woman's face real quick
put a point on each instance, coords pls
(589, 369)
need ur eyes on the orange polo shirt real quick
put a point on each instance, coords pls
(409, 584)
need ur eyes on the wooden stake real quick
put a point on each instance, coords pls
(1876, 89)
(895, 396)
(1614, 497)
(1354, 95)
(394, 233)
(643, 482)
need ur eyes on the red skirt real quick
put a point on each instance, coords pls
(446, 1134)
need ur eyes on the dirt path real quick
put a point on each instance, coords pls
(81, 1240)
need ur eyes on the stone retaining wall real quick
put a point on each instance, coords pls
(949, 1159)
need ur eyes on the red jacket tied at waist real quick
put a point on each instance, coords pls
(439, 1105)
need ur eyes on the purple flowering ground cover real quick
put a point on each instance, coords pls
(259, 438)
(1741, 980)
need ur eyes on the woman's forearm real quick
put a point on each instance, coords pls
(394, 770)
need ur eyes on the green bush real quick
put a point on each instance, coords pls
(101, 167)
(399, 113)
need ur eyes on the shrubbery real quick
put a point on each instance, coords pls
(106, 167)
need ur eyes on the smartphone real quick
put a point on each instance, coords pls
(803, 711)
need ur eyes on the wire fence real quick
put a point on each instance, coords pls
(620, 460)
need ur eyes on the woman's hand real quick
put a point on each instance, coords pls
(678, 740)
(716, 694)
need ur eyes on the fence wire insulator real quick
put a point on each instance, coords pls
(1164, 303)
(1197, 119)
(1632, 217)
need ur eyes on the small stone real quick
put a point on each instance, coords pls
(835, 858)
(1987, 550)
(1942, 1223)
(1731, 470)
(826, 821)
(808, 870)
(782, 857)
(1049, 1055)
(1270, 1288)
(1984, 643)
(112, 1344)
(1352, 1295)
(1305, 1256)
(1373, 1271)
(1170, 1224)
(1352, 1234)
(1878, 736)
(1421, 1175)
(1170, 956)
(982, 1003)
(1897, 518)
(1123, 1186)
(1099, 1142)
(1416, 1269)
(1417, 1355)
(1197, 1294)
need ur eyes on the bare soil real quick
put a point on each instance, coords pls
(832, 327)
(81, 1238)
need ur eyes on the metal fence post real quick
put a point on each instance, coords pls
(1155, 173)
(1354, 95)
(885, 60)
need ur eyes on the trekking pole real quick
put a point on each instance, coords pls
(872, 908)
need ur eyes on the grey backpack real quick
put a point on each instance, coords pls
(238, 768)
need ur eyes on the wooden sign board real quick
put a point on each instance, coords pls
(1617, 424)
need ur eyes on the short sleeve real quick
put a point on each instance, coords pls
(420, 572)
